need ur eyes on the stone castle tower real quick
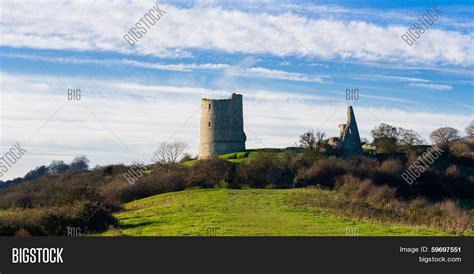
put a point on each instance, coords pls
(349, 136)
(222, 126)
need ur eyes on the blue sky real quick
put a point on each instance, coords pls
(292, 61)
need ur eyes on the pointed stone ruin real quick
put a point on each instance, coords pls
(349, 136)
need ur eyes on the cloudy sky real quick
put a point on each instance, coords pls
(292, 61)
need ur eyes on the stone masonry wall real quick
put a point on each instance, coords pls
(350, 143)
(222, 126)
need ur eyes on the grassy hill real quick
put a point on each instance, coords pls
(246, 212)
(238, 157)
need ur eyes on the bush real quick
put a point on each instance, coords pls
(309, 157)
(455, 219)
(418, 203)
(364, 189)
(28, 220)
(462, 151)
(323, 172)
(211, 173)
(452, 171)
(90, 217)
(367, 201)
(393, 166)
(363, 167)
(381, 195)
(22, 233)
(160, 180)
(349, 185)
(264, 170)
(50, 192)
(389, 172)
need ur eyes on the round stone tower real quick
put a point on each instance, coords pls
(222, 126)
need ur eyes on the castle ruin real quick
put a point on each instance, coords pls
(350, 144)
(222, 126)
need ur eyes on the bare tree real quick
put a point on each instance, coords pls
(320, 139)
(310, 140)
(410, 137)
(444, 135)
(385, 137)
(169, 153)
(388, 137)
(385, 131)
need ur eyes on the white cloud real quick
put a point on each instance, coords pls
(173, 67)
(235, 70)
(99, 26)
(391, 78)
(114, 62)
(279, 74)
(387, 98)
(431, 86)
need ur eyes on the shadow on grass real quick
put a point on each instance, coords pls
(128, 226)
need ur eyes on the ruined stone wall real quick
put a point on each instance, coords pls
(222, 126)
(350, 143)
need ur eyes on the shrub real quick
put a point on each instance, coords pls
(309, 157)
(323, 172)
(264, 169)
(364, 189)
(90, 217)
(418, 203)
(452, 171)
(462, 151)
(161, 179)
(363, 167)
(354, 187)
(12, 223)
(22, 233)
(455, 219)
(211, 173)
(389, 172)
(381, 195)
(393, 166)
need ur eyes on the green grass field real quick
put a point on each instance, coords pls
(247, 212)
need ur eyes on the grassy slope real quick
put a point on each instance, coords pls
(234, 157)
(250, 212)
